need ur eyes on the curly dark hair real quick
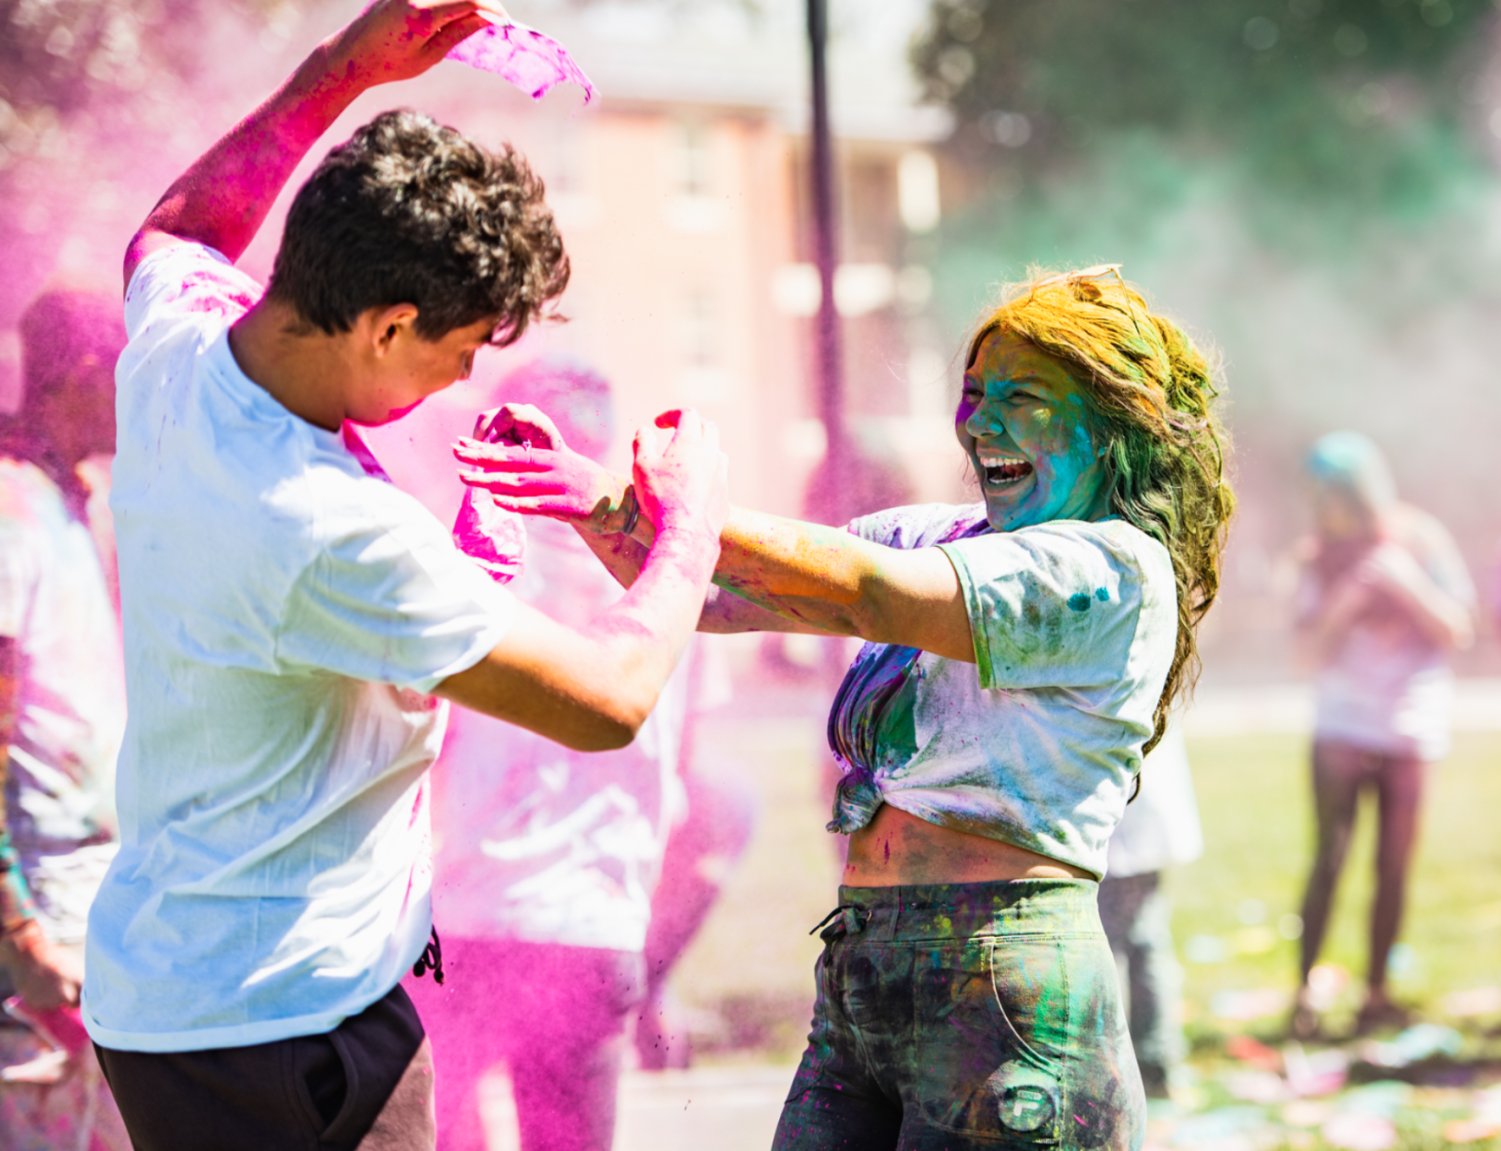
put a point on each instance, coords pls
(408, 211)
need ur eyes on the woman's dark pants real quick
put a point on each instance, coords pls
(1341, 772)
(966, 1016)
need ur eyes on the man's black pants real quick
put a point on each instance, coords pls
(366, 1085)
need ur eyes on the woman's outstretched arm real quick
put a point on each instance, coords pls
(785, 575)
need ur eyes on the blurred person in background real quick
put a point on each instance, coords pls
(1383, 603)
(1023, 654)
(547, 859)
(1159, 830)
(62, 696)
(701, 853)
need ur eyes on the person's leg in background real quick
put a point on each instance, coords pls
(1156, 992)
(1399, 790)
(570, 1009)
(699, 857)
(1137, 915)
(468, 1020)
(1338, 771)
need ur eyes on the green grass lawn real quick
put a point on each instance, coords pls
(1256, 804)
(752, 965)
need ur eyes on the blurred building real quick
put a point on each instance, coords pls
(682, 197)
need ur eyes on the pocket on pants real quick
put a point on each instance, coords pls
(320, 1079)
(824, 1035)
(993, 1027)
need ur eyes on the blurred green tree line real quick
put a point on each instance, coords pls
(1367, 101)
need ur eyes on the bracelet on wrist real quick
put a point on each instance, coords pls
(632, 509)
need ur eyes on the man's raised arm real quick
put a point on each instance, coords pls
(222, 200)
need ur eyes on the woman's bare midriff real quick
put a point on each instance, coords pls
(897, 850)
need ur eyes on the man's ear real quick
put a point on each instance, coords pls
(387, 325)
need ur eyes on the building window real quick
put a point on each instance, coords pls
(700, 330)
(694, 159)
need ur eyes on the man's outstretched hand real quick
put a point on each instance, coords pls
(518, 455)
(682, 483)
(680, 475)
(399, 39)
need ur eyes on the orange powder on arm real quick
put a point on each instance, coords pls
(764, 555)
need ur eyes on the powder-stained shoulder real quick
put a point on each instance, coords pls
(1060, 604)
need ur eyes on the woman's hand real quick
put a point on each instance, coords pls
(518, 455)
(1391, 568)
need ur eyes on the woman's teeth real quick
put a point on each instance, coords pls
(1008, 472)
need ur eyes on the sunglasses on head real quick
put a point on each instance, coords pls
(1098, 272)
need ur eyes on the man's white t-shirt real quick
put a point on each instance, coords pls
(285, 612)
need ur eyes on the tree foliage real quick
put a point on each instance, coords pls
(1364, 100)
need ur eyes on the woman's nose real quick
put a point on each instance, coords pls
(984, 421)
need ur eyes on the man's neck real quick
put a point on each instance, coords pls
(299, 366)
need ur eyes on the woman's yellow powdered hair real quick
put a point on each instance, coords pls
(1152, 392)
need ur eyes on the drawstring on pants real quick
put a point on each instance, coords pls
(852, 921)
(431, 958)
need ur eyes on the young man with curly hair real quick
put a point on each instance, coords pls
(290, 616)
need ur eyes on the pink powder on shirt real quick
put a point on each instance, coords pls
(533, 62)
(203, 293)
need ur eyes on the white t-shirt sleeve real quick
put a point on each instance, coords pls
(1050, 606)
(393, 603)
(185, 283)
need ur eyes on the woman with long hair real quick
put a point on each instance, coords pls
(1022, 655)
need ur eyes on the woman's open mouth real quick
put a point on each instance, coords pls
(1004, 473)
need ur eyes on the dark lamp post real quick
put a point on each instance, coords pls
(828, 354)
